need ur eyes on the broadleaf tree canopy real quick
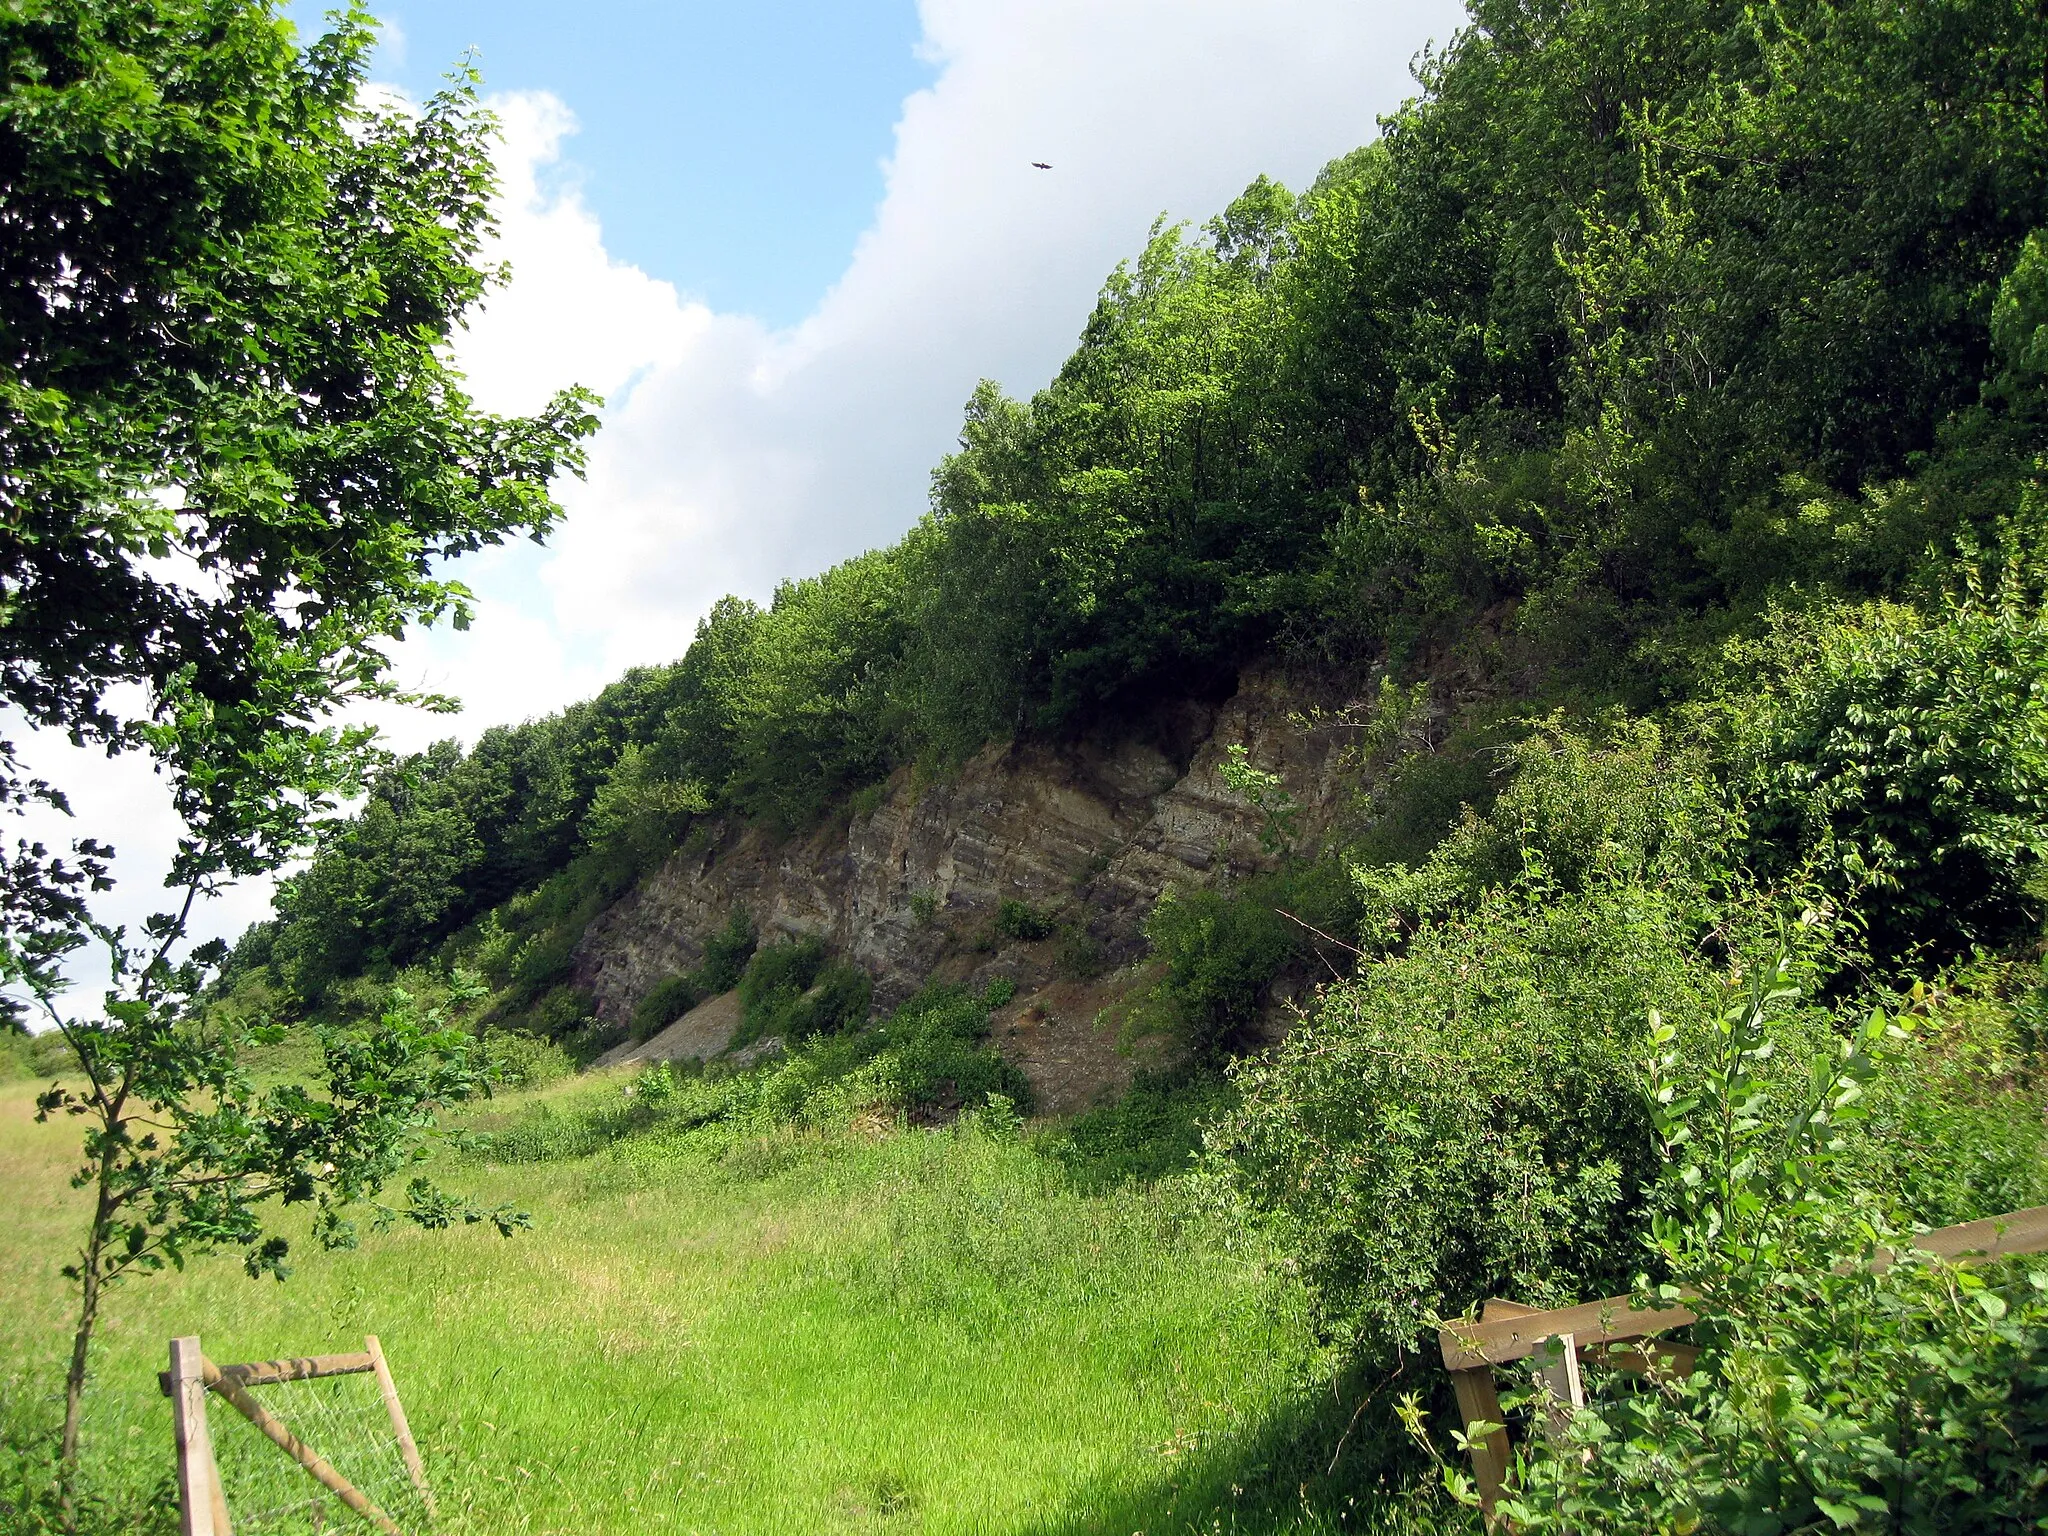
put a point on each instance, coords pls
(233, 445)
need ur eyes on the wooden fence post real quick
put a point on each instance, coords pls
(1477, 1401)
(406, 1447)
(1560, 1377)
(202, 1502)
(1509, 1331)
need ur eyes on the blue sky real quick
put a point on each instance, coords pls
(733, 148)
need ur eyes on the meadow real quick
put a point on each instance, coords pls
(868, 1328)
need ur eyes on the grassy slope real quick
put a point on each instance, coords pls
(924, 1331)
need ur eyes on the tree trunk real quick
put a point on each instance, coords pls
(81, 1347)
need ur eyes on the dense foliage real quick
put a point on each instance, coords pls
(1843, 1377)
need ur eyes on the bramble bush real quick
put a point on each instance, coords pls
(1903, 757)
(1463, 1119)
(1575, 808)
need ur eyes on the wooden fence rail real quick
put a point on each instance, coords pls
(1507, 1331)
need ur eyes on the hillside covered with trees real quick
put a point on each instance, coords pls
(1643, 332)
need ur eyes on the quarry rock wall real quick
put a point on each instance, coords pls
(1087, 834)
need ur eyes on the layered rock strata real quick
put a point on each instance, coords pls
(1087, 834)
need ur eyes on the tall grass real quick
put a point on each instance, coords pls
(866, 1328)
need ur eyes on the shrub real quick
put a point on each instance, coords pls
(562, 1011)
(1616, 803)
(789, 990)
(1279, 814)
(667, 1001)
(776, 978)
(1832, 1392)
(1081, 956)
(1956, 1125)
(1016, 920)
(543, 962)
(1223, 949)
(1152, 1131)
(486, 947)
(929, 1059)
(1905, 758)
(1465, 1119)
(526, 1061)
(836, 1002)
(1221, 952)
(934, 1055)
(726, 954)
(1915, 1400)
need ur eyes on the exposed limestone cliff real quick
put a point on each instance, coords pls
(1089, 833)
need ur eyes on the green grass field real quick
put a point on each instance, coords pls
(882, 1330)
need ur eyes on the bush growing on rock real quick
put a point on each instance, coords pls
(667, 1001)
(791, 991)
(775, 978)
(1019, 920)
(726, 954)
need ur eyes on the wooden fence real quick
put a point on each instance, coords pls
(202, 1500)
(1625, 1336)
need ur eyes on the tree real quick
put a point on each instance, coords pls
(233, 450)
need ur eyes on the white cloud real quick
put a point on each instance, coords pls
(392, 42)
(573, 315)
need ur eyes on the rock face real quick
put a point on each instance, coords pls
(1087, 834)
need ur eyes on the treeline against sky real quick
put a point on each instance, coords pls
(1645, 317)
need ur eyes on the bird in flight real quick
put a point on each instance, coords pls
(1040, 165)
